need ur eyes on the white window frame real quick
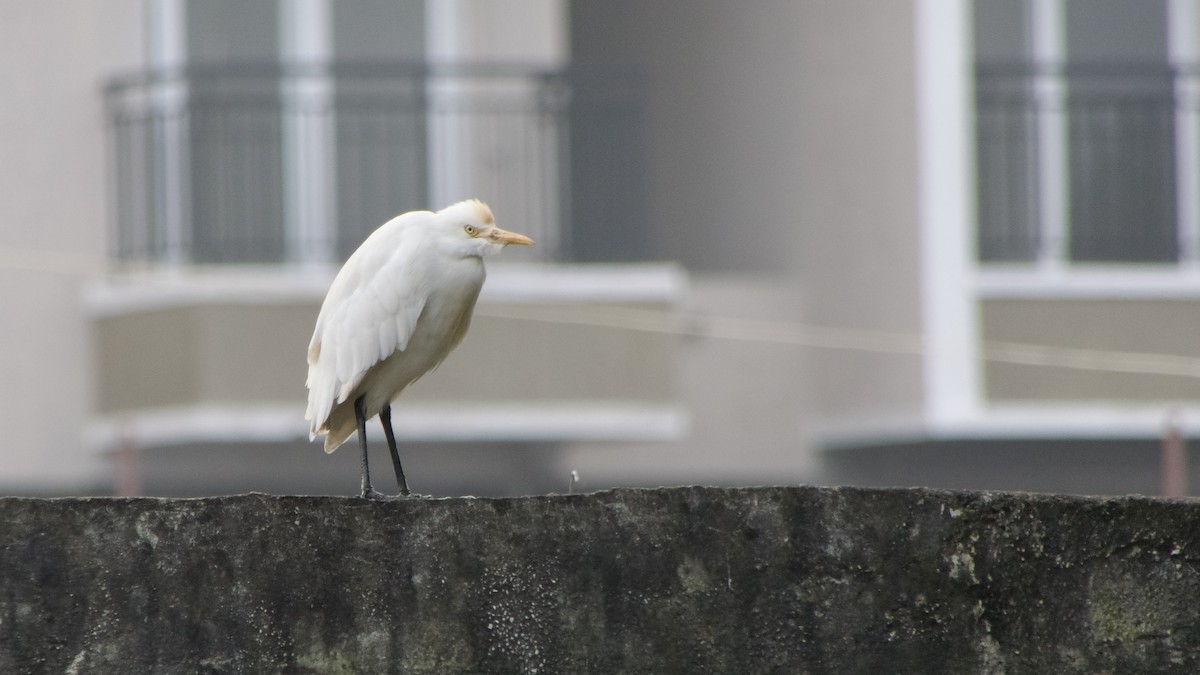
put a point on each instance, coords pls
(1052, 273)
(309, 142)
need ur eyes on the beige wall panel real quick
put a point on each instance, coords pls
(515, 359)
(1166, 327)
(252, 353)
(256, 354)
(145, 360)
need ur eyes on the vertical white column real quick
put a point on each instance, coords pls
(947, 215)
(478, 145)
(448, 42)
(167, 55)
(1183, 44)
(1048, 33)
(309, 150)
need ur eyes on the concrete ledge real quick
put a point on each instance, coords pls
(685, 580)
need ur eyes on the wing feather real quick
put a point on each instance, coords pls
(370, 312)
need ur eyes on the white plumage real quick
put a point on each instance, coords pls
(398, 306)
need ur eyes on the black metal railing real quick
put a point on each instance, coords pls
(267, 164)
(1116, 160)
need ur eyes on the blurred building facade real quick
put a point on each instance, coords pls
(923, 242)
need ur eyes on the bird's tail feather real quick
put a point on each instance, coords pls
(340, 429)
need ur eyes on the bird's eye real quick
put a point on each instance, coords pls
(471, 230)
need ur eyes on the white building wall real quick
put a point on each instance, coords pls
(860, 256)
(784, 175)
(53, 215)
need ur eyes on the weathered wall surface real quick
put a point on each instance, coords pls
(686, 580)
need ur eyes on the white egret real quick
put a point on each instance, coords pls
(398, 306)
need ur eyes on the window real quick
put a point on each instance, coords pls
(1077, 123)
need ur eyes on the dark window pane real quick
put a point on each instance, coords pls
(1006, 147)
(1122, 159)
(236, 172)
(1108, 31)
(381, 158)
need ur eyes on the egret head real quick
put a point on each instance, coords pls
(472, 229)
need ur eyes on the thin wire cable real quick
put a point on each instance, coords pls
(823, 337)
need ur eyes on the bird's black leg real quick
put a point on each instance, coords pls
(385, 418)
(360, 416)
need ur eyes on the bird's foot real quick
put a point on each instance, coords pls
(375, 495)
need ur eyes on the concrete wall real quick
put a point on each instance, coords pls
(664, 581)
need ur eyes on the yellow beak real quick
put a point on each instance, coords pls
(499, 236)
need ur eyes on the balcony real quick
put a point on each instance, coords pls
(251, 164)
(250, 184)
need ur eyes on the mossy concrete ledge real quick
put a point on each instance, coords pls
(680, 580)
